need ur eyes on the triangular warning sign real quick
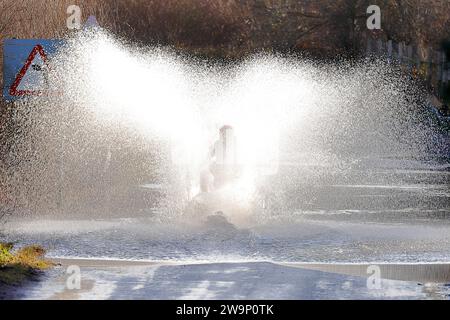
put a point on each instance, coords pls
(31, 79)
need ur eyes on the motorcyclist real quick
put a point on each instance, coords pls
(222, 168)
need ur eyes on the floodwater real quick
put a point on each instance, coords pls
(378, 219)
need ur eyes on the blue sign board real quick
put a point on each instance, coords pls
(24, 62)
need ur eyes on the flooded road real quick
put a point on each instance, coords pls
(383, 215)
(318, 244)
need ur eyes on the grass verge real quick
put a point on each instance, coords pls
(18, 265)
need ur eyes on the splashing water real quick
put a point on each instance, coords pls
(119, 143)
(122, 119)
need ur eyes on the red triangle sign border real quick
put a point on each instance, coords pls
(13, 90)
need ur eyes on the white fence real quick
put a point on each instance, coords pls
(430, 64)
